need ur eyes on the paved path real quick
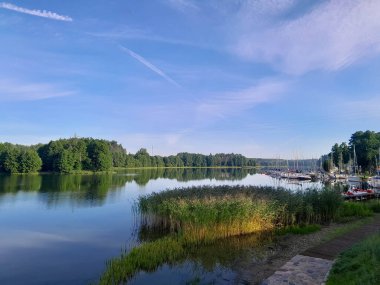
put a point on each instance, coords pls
(301, 269)
(313, 265)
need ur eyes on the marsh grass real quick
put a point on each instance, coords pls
(209, 213)
(358, 265)
(147, 257)
(198, 218)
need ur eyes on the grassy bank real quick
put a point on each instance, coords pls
(358, 265)
(186, 220)
(347, 227)
(198, 216)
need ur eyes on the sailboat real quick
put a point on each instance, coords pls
(375, 180)
(340, 175)
(354, 178)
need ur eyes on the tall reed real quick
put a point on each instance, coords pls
(203, 213)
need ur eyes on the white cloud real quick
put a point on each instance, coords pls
(11, 90)
(265, 7)
(229, 103)
(152, 67)
(39, 13)
(333, 35)
(182, 5)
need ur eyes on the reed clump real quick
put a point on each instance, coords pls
(207, 213)
(147, 257)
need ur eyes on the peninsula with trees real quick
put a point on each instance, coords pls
(75, 155)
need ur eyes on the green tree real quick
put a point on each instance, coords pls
(345, 150)
(367, 146)
(327, 165)
(100, 155)
(29, 161)
(119, 154)
(143, 158)
(10, 160)
(336, 154)
(65, 161)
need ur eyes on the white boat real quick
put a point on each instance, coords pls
(340, 176)
(299, 176)
(375, 181)
(354, 179)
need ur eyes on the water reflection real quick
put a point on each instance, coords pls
(143, 176)
(210, 264)
(96, 186)
(14, 183)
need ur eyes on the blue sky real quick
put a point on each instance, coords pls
(265, 78)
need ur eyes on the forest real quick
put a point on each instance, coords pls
(75, 155)
(367, 152)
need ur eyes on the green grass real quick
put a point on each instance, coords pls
(347, 227)
(374, 205)
(351, 210)
(358, 265)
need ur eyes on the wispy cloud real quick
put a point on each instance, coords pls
(182, 5)
(229, 103)
(350, 110)
(149, 65)
(38, 13)
(264, 7)
(333, 35)
(124, 32)
(11, 90)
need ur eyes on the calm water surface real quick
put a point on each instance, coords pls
(61, 229)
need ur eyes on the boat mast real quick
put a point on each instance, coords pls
(355, 162)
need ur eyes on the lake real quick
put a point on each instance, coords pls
(61, 229)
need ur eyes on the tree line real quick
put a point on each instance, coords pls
(88, 154)
(366, 145)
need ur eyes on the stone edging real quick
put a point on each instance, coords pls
(301, 270)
